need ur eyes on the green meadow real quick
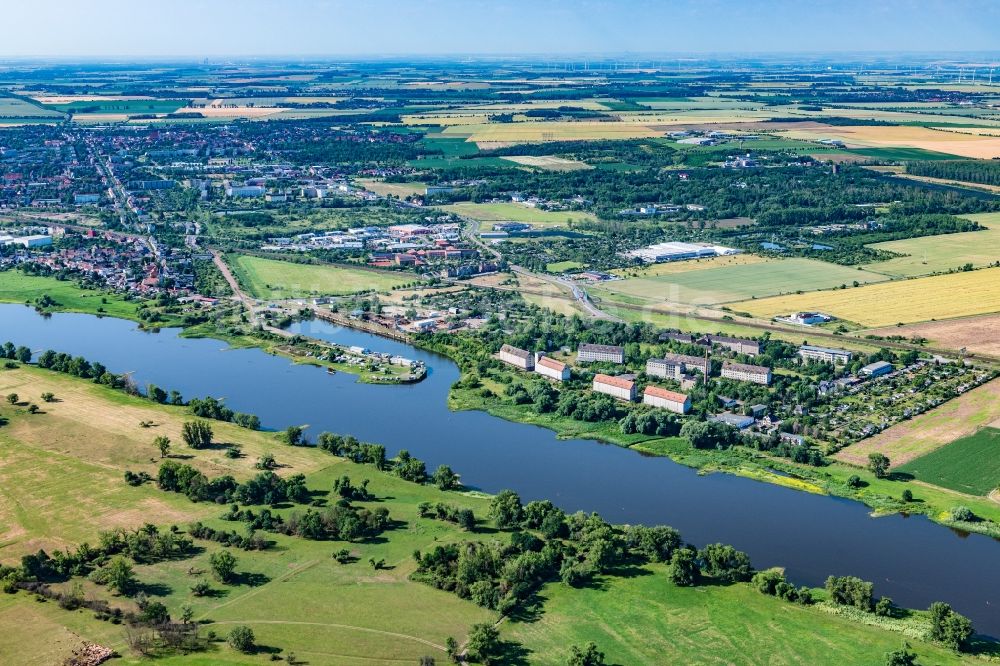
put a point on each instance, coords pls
(270, 278)
(968, 465)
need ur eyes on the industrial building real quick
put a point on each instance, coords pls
(678, 251)
(877, 369)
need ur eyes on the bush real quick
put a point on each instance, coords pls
(963, 514)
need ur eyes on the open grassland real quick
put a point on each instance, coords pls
(978, 335)
(970, 464)
(733, 282)
(534, 131)
(925, 138)
(401, 190)
(699, 625)
(273, 279)
(931, 430)
(13, 107)
(906, 301)
(17, 287)
(515, 212)
(675, 267)
(933, 254)
(548, 162)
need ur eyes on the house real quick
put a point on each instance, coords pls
(758, 411)
(735, 420)
(519, 358)
(610, 353)
(828, 354)
(673, 366)
(789, 438)
(551, 368)
(616, 387)
(876, 369)
(738, 345)
(673, 401)
(742, 372)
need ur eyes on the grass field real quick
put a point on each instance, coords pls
(969, 465)
(401, 190)
(734, 281)
(12, 107)
(563, 266)
(17, 287)
(700, 625)
(895, 137)
(931, 430)
(932, 254)
(515, 212)
(272, 279)
(906, 301)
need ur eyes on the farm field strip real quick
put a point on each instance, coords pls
(933, 254)
(970, 464)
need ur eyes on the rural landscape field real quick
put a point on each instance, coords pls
(507, 333)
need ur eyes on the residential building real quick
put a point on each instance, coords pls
(673, 401)
(738, 345)
(519, 358)
(828, 354)
(616, 387)
(735, 420)
(742, 372)
(610, 353)
(245, 191)
(877, 369)
(674, 366)
(551, 368)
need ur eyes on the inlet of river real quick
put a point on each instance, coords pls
(912, 560)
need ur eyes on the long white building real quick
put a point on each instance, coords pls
(742, 372)
(519, 358)
(616, 387)
(551, 368)
(673, 401)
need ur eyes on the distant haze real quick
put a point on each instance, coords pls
(206, 28)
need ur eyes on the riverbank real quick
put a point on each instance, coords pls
(883, 495)
(68, 490)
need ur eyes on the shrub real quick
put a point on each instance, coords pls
(241, 639)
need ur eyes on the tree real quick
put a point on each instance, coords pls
(588, 656)
(963, 514)
(949, 627)
(162, 442)
(901, 657)
(12, 398)
(878, 463)
(23, 354)
(445, 478)
(293, 435)
(506, 509)
(241, 639)
(48, 396)
(223, 565)
(725, 563)
(484, 643)
(197, 434)
(907, 495)
(684, 568)
(119, 575)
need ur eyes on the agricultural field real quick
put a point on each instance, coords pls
(977, 335)
(931, 430)
(548, 163)
(13, 108)
(514, 212)
(968, 465)
(900, 301)
(735, 281)
(18, 287)
(934, 254)
(533, 131)
(925, 138)
(401, 190)
(273, 279)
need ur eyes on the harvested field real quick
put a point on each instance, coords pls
(931, 430)
(979, 335)
(875, 136)
(548, 163)
(907, 301)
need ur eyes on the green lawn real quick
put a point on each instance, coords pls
(270, 278)
(16, 287)
(563, 266)
(515, 212)
(900, 154)
(931, 254)
(737, 282)
(700, 625)
(969, 465)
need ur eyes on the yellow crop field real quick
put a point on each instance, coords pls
(927, 138)
(548, 162)
(888, 303)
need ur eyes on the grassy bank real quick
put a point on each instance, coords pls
(65, 296)
(63, 484)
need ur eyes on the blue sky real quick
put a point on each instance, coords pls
(204, 28)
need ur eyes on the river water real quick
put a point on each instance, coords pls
(912, 560)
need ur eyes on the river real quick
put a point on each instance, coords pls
(912, 560)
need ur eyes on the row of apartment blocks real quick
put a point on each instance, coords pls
(624, 388)
(537, 362)
(738, 345)
(679, 367)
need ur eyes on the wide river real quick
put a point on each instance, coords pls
(910, 559)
